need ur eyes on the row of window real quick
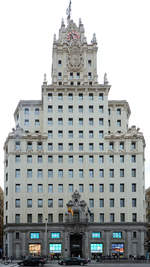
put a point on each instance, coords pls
(71, 159)
(61, 173)
(40, 203)
(80, 96)
(70, 109)
(71, 145)
(40, 218)
(60, 189)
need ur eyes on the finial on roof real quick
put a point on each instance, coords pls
(54, 37)
(45, 78)
(68, 12)
(105, 78)
(62, 22)
(80, 21)
(94, 41)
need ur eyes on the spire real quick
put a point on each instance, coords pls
(105, 79)
(68, 12)
(45, 79)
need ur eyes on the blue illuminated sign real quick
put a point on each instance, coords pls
(55, 248)
(97, 248)
(34, 235)
(55, 235)
(96, 235)
(117, 235)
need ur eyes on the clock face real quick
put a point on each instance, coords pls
(73, 35)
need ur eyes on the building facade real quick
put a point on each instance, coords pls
(74, 170)
(1, 220)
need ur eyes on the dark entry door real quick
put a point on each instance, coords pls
(76, 245)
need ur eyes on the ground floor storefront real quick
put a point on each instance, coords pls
(89, 240)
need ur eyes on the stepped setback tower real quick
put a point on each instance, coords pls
(74, 170)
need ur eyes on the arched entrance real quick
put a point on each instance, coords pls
(76, 245)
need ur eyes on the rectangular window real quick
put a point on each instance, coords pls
(111, 188)
(50, 188)
(80, 159)
(70, 159)
(29, 158)
(133, 172)
(50, 203)
(29, 188)
(17, 175)
(101, 146)
(60, 121)
(91, 173)
(39, 146)
(39, 159)
(101, 217)
(133, 158)
(50, 147)
(60, 173)
(122, 217)
(101, 159)
(50, 218)
(101, 173)
(40, 188)
(119, 123)
(112, 217)
(50, 108)
(70, 121)
(121, 187)
(80, 146)
(91, 134)
(17, 159)
(50, 173)
(101, 188)
(29, 203)
(80, 96)
(60, 134)
(17, 218)
(39, 173)
(121, 172)
(121, 158)
(26, 111)
(17, 188)
(50, 159)
(112, 203)
(101, 109)
(134, 217)
(111, 145)
(70, 96)
(60, 203)
(101, 134)
(91, 121)
(50, 134)
(17, 203)
(101, 203)
(70, 146)
(50, 96)
(91, 109)
(60, 159)
(133, 202)
(101, 96)
(29, 218)
(121, 146)
(17, 145)
(50, 121)
(91, 203)
(101, 121)
(91, 188)
(80, 109)
(26, 122)
(122, 202)
(55, 248)
(91, 159)
(70, 109)
(91, 146)
(60, 109)
(80, 134)
(133, 145)
(70, 173)
(37, 122)
(118, 111)
(80, 121)
(133, 187)
(81, 188)
(60, 188)
(40, 218)
(111, 173)
(81, 173)
(70, 188)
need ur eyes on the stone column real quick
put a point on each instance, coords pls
(66, 251)
(85, 243)
(128, 243)
(10, 244)
(107, 243)
(23, 250)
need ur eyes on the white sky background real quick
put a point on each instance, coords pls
(122, 29)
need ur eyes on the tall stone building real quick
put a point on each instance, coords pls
(1, 220)
(74, 170)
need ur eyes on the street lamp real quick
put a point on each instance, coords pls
(46, 237)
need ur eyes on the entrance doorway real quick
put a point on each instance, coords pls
(76, 245)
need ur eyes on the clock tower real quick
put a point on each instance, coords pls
(74, 60)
